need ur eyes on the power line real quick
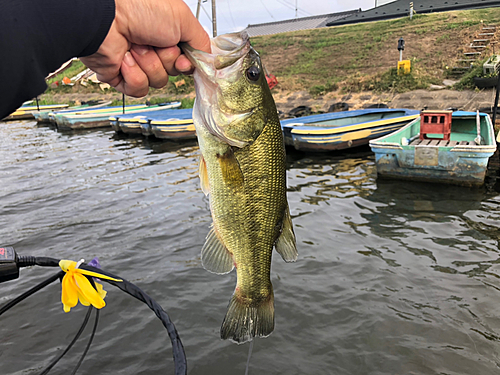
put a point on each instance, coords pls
(290, 6)
(264, 5)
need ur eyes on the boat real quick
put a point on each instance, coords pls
(26, 112)
(176, 125)
(438, 146)
(341, 130)
(46, 116)
(168, 123)
(97, 118)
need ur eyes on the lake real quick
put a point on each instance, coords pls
(392, 278)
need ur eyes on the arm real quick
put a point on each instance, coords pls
(131, 45)
(38, 36)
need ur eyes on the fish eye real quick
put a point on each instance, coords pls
(253, 73)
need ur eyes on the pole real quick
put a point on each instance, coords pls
(296, 7)
(496, 100)
(198, 10)
(401, 55)
(214, 20)
(123, 102)
(37, 105)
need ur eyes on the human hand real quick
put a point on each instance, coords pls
(140, 50)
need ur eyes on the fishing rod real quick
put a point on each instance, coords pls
(11, 263)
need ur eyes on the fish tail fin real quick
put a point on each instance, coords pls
(244, 320)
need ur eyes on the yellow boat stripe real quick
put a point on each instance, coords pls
(177, 128)
(342, 129)
(349, 136)
(173, 122)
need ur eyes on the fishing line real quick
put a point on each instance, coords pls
(249, 355)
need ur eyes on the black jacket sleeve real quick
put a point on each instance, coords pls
(37, 36)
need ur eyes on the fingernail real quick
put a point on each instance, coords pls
(129, 59)
(140, 50)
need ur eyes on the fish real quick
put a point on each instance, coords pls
(242, 170)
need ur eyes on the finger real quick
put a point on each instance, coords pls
(150, 63)
(168, 56)
(183, 65)
(135, 81)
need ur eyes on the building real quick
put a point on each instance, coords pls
(401, 8)
(295, 24)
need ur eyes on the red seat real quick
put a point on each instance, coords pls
(435, 122)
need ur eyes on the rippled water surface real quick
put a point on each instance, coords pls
(392, 277)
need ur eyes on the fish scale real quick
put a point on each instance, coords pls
(242, 169)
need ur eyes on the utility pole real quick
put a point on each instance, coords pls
(214, 20)
(296, 7)
(198, 10)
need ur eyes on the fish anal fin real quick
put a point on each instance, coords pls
(245, 320)
(215, 257)
(230, 169)
(286, 244)
(202, 171)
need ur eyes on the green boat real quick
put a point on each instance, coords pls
(99, 118)
(439, 146)
(26, 112)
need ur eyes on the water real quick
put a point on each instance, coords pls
(392, 277)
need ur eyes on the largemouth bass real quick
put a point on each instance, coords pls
(242, 169)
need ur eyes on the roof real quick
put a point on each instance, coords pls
(401, 8)
(295, 24)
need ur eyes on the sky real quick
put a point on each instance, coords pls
(235, 15)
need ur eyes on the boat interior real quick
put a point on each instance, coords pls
(343, 121)
(464, 131)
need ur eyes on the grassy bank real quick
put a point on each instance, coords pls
(354, 58)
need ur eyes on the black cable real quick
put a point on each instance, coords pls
(180, 361)
(77, 336)
(31, 291)
(89, 343)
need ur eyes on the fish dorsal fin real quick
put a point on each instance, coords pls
(230, 169)
(202, 171)
(285, 244)
(215, 257)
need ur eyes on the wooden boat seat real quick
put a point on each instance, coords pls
(440, 143)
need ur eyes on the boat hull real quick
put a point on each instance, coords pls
(101, 118)
(451, 162)
(348, 129)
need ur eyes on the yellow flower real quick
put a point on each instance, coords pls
(75, 286)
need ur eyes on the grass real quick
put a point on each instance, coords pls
(75, 68)
(352, 58)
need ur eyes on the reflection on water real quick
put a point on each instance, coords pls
(393, 277)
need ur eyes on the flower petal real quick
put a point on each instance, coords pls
(88, 291)
(95, 274)
(69, 295)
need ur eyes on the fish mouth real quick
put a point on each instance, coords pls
(227, 51)
(222, 67)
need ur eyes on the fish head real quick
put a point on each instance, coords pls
(231, 89)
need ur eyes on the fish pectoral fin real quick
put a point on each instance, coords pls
(230, 169)
(286, 244)
(202, 171)
(215, 257)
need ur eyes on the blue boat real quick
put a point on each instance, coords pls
(175, 125)
(341, 130)
(167, 123)
(438, 146)
(85, 119)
